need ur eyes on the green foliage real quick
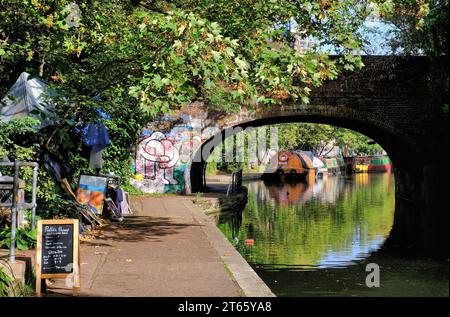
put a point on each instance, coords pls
(227, 53)
(89, 68)
(132, 190)
(122, 130)
(5, 282)
(421, 26)
(16, 137)
(21, 141)
(137, 59)
(211, 168)
(320, 138)
(25, 238)
(234, 53)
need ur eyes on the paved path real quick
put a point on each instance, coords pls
(162, 251)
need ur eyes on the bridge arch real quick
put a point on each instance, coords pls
(394, 101)
(398, 102)
(416, 227)
(389, 138)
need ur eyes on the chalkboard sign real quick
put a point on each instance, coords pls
(57, 251)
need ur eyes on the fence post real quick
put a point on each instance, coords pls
(34, 190)
(12, 255)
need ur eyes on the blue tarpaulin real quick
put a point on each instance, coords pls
(95, 135)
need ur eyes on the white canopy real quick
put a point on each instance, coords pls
(25, 96)
(317, 162)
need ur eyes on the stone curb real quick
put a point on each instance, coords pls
(247, 279)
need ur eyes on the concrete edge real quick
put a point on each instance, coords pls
(247, 279)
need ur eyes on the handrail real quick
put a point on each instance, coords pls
(20, 163)
(15, 206)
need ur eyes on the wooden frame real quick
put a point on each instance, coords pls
(76, 274)
(89, 215)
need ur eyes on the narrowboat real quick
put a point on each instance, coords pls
(288, 164)
(334, 165)
(370, 164)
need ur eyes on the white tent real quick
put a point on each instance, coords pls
(317, 162)
(24, 98)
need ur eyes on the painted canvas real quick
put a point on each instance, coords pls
(91, 191)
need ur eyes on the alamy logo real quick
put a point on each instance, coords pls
(373, 278)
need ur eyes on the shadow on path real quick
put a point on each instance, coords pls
(138, 228)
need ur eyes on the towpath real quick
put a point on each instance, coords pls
(168, 248)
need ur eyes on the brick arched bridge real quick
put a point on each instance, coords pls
(398, 102)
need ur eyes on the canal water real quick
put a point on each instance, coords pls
(315, 238)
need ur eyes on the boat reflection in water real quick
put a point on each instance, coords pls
(315, 238)
(318, 223)
(289, 192)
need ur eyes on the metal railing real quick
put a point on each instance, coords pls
(15, 205)
(235, 183)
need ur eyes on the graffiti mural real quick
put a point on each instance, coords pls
(163, 157)
(158, 156)
(167, 145)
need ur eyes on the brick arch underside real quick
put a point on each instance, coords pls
(421, 215)
(386, 135)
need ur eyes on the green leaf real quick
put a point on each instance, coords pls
(229, 51)
(216, 55)
(305, 100)
(240, 63)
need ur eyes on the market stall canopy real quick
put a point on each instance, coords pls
(318, 163)
(27, 98)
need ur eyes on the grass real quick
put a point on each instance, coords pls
(10, 287)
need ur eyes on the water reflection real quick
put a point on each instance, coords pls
(331, 222)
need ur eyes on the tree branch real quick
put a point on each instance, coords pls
(151, 6)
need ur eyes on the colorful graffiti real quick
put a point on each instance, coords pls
(158, 157)
(162, 159)
(167, 145)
